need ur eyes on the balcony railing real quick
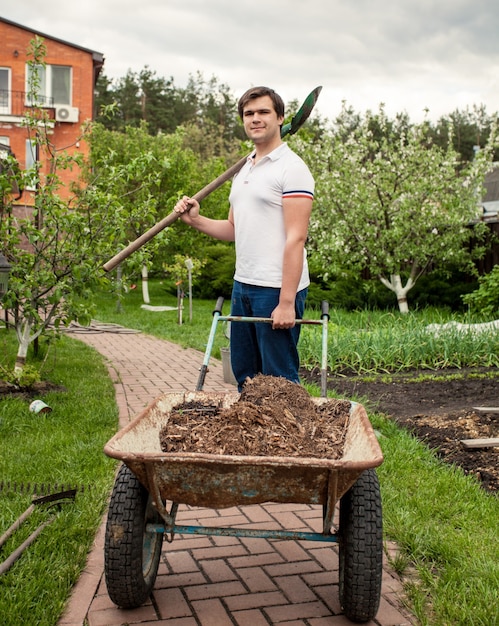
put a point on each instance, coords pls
(18, 102)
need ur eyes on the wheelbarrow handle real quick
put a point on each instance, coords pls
(218, 317)
(218, 306)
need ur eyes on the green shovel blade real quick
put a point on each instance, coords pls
(302, 114)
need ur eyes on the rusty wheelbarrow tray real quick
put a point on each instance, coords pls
(140, 514)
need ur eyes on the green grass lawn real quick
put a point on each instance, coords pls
(444, 523)
(63, 447)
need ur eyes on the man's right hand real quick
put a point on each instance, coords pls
(188, 209)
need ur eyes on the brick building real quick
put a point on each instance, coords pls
(66, 92)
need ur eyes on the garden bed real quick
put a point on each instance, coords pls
(440, 410)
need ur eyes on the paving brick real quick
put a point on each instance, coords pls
(287, 569)
(256, 560)
(319, 579)
(326, 556)
(181, 562)
(168, 581)
(233, 511)
(217, 570)
(227, 521)
(295, 589)
(256, 579)
(102, 602)
(171, 603)
(255, 600)
(290, 550)
(304, 610)
(198, 517)
(288, 520)
(388, 615)
(329, 594)
(200, 592)
(252, 617)
(257, 514)
(257, 546)
(212, 613)
(118, 617)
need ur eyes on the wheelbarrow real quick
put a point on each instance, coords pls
(151, 484)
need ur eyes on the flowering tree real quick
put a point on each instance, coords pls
(391, 202)
(57, 248)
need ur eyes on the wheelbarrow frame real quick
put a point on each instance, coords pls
(151, 484)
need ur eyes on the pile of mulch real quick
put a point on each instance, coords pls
(272, 417)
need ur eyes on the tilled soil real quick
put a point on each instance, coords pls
(441, 412)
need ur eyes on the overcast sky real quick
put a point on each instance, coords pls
(408, 54)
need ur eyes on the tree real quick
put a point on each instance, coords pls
(144, 96)
(56, 249)
(471, 130)
(149, 173)
(390, 202)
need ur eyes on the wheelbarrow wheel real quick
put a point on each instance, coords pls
(131, 554)
(360, 541)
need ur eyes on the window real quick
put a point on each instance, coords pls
(51, 83)
(30, 164)
(4, 90)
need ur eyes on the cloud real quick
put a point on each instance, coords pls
(410, 55)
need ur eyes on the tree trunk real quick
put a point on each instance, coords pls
(24, 336)
(145, 285)
(119, 285)
(395, 285)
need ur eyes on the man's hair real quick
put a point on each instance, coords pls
(258, 92)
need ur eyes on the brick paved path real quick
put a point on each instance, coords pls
(217, 581)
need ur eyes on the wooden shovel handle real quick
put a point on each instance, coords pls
(172, 217)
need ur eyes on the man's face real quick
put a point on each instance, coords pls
(261, 122)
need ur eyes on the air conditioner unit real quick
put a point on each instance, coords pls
(66, 114)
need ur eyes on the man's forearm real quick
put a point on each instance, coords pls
(219, 229)
(291, 272)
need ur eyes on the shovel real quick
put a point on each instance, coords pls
(287, 129)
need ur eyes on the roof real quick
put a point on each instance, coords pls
(97, 57)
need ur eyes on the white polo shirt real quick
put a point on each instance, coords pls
(256, 200)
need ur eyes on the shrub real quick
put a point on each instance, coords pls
(217, 274)
(485, 299)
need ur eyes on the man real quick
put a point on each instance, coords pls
(270, 206)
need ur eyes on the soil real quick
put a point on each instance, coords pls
(272, 417)
(441, 412)
(34, 391)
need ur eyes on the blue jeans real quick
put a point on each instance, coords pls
(256, 348)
